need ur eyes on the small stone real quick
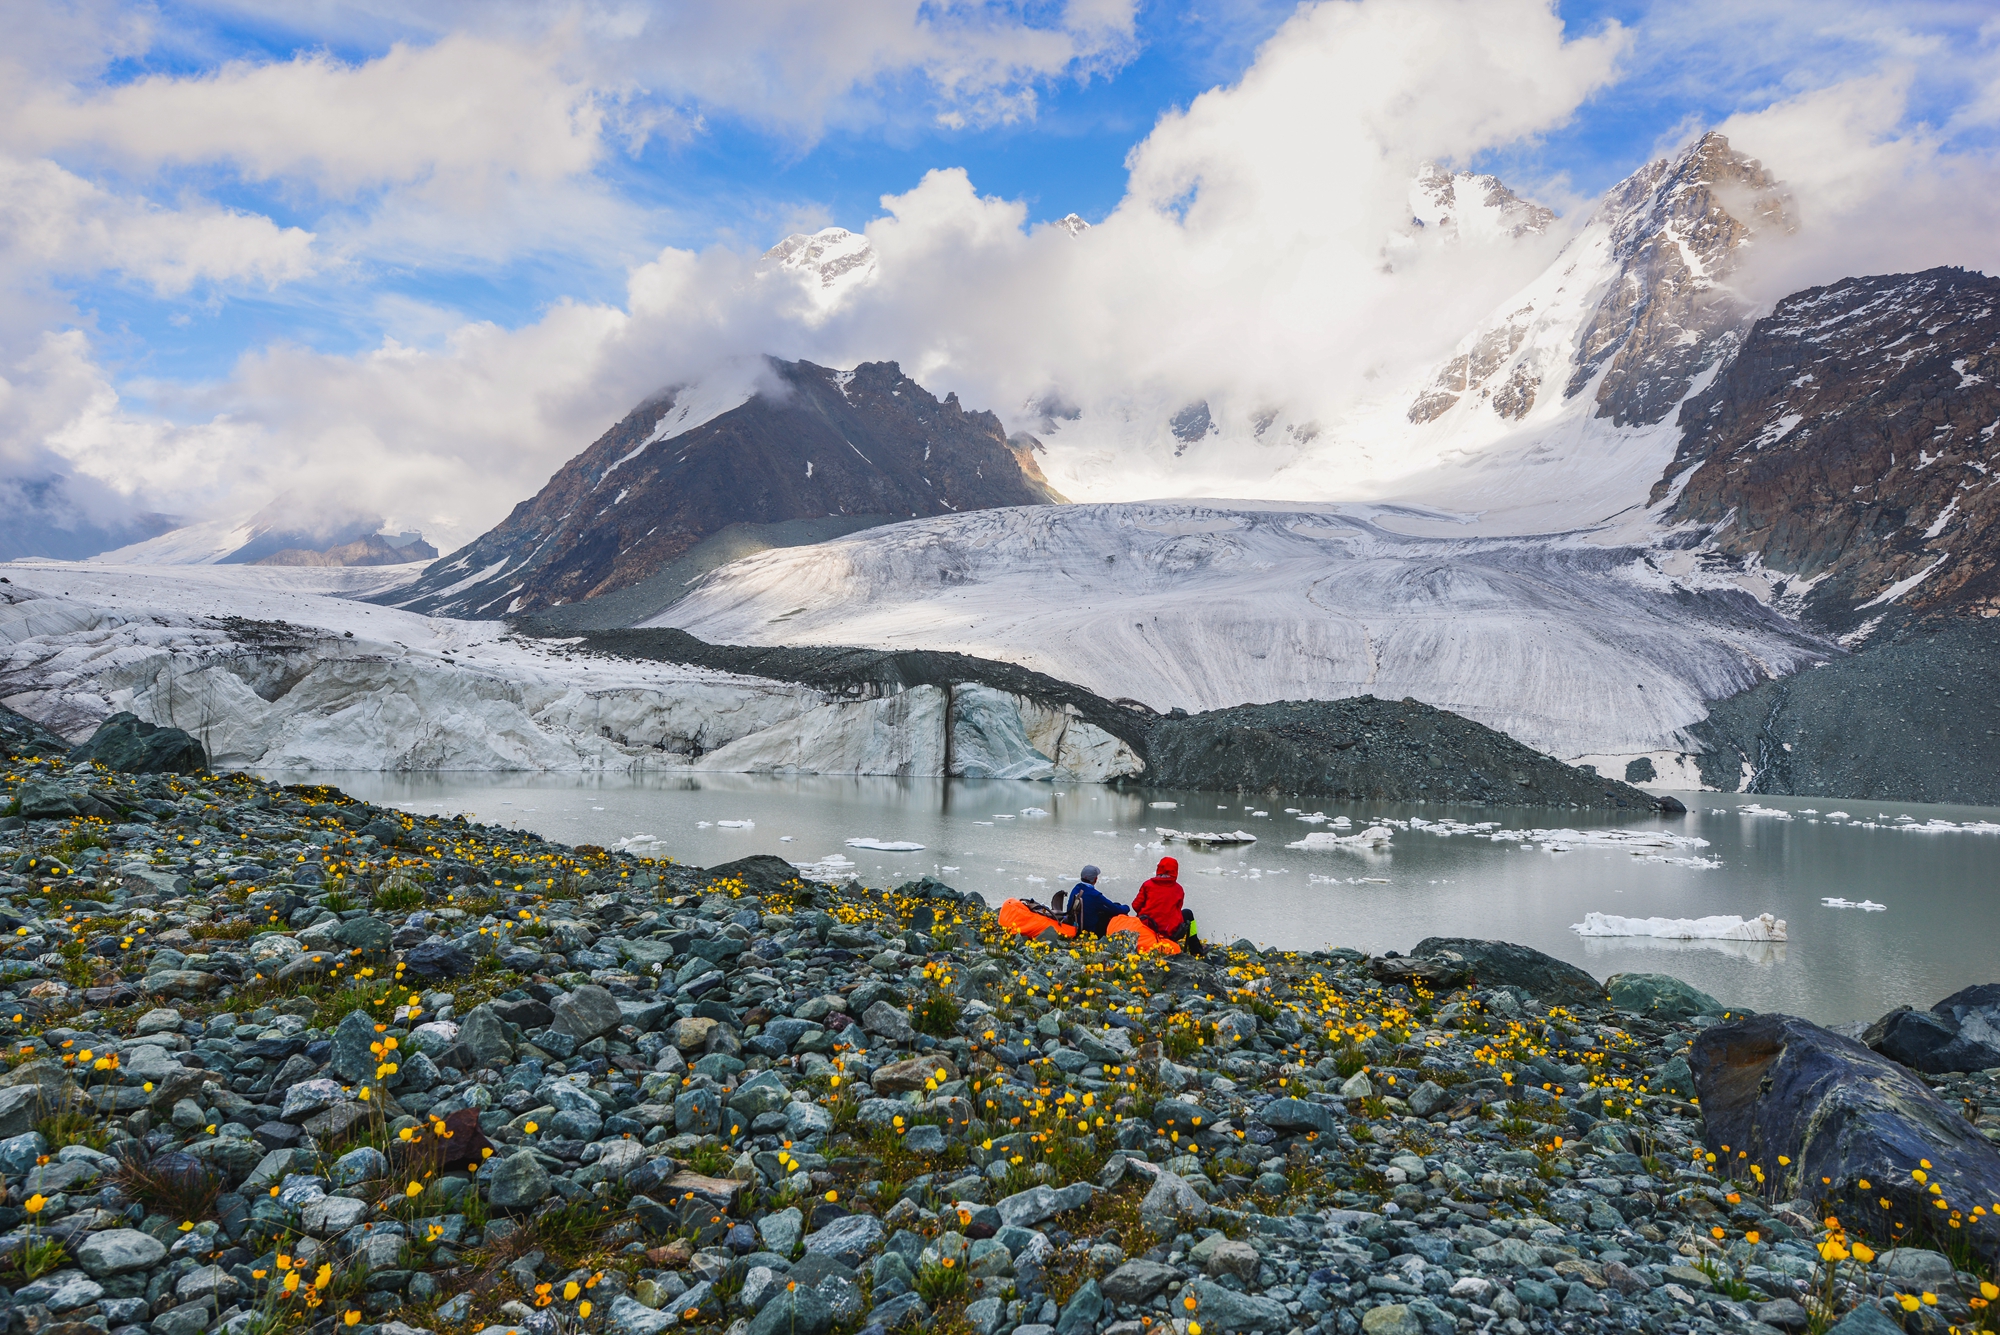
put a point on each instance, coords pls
(1390, 1319)
(515, 1182)
(1357, 1086)
(163, 1020)
(353, 1039)
(781, 1231)
(628, 1317)
(310, 1096)
(1234, 1258)
(847, 1240)
(332, 1215)
(117, 1251)
(794, 1311)
(891, 1022)
(365, 1164)
(925, 1140)
(437, 961)
(585, 1013)
(1138, 1281)
(909, 1077)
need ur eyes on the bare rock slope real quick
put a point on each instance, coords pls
(866, 442)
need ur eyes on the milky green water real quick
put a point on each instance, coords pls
(1937, 933)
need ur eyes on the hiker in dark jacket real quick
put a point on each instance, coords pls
(1089, 910)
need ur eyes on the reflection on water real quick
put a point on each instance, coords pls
(1436, 877)
(1621, 948)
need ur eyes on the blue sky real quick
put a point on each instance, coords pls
(231, 220)
(742, 181)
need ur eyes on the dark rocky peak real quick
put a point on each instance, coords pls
(868, 445)
(1678, 228)
(1851, 445)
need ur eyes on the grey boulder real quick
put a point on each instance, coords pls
(118, 1251)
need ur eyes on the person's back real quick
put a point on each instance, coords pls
(1090, 909)
(1160, 900)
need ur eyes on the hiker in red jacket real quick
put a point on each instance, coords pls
(1159, 906)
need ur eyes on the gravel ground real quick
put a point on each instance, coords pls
(1914, 716)
(277, 1059)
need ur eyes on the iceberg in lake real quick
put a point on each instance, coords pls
(1720, 927)
(1375, 836)
(885, 846)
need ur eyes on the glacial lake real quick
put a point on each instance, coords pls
(1935, 869)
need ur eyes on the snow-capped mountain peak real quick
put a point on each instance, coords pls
(1472, 206)
(831, 261)
(1638, 304)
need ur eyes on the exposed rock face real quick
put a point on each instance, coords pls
(870, 441)
(1851, 444)
(1913, 718)
(1773, 1086)
(1642, 295)
(1679, 230)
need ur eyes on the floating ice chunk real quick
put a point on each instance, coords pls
(704, 824)
(833, 867)
(1001, 815)
(885, 845)
(737, 824)
(1209, 839)
(1866, 905)
(1837, 815)
(1260, 813)
(642, 845)
(947, 869)
(1375, 836)
(1752, 809)
(1721, 927)
(1163, 806)
(1038, 880)
(1033, 811)
(784, 838)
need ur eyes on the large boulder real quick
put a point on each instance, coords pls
(1960, 1033)
(1504, 964)
(1659, 994)
(123, 742)
(763, 874)
(22, 736)
(1774, 1085)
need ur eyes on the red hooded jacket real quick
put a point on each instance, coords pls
(1159, 900)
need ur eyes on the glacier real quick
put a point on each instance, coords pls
(283, 668)
(1570, 645)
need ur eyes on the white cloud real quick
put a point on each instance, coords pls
(1874, 193)
(450, 116)
(54, 223)
(1247, 264)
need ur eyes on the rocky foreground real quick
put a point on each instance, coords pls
(279, 1059)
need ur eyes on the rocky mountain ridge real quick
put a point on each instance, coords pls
(865, 442)
(1851, 446)
(1638, 304)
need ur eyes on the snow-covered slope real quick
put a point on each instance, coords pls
(1513, 572)
(1575, 647)
(280, 667)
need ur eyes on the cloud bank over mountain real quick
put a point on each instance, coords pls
(1262, 263)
